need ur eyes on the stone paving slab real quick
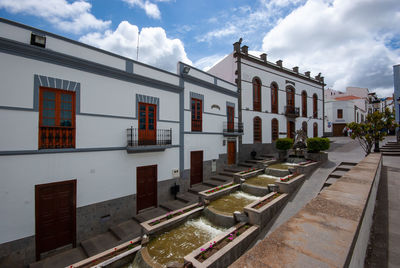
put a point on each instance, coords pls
(61, 260)
(199, 188)
(99, 243)
(174, 205)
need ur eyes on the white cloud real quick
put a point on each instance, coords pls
(68, 16)
(345, 40)
(208, 62)
(151, 9)
(155, 48)
(219, 33)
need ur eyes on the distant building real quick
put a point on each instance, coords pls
(274, 102)
(342, 108)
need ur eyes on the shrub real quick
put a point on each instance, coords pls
(284, 143)
(314, 145)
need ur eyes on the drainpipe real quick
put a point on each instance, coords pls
(323, 107)
(238, 80)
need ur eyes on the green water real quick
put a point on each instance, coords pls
(233, 202)
(262, 180)
(173, 245)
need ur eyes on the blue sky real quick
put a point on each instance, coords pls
(352, 43)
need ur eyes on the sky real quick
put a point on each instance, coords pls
(351, 42)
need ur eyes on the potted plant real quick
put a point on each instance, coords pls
(315, 146)
(283, 145)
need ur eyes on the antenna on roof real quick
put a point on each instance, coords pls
(137, 49)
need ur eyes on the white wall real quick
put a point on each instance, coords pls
(225, 69)
(100, 176)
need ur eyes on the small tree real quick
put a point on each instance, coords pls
(373, 130)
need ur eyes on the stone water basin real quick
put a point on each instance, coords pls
(235, 201)
(173, 245)
(283, 166)
(262, 180)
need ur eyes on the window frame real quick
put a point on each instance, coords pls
(339, 113)
(197, 124)
(315, 106)
(274, 98)
(274, 129)
(57, 128)
(304, 103)
(257, 94)
(257, 130)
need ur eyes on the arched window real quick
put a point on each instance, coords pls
(290, 96)
(257, 129)
(315, 106)
(304, 127)
(274, 98)
(274, 129)
(315, 127)
(304, 104)
(256, 94)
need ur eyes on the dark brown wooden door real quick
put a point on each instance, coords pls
(290, 129)
(274, 99)
(315, 127)
(256, 95)
(197, 114)
(338, 129)
(231, 152)
(147, 124)
(55, 219)
(196, 167)
(231, 119)
(146, 181)
(290, 97)
(304, 104)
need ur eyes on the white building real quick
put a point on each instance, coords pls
(93, 138)
(275, 101)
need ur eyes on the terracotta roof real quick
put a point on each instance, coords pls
(344, 98)
(389, 98)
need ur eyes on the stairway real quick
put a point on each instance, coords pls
(391, 148)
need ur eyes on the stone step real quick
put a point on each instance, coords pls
(234, 169)
(212, 183)
(251, 161)
(334, 176)
(63, 259)
(338, 172)
(348, 164)
(246, 165)
(391, 153)
(390, 149)
(149, 214)
(268, 156)
(198, 188)
(222, 178)
(99, 243)
(226, 173)
(343, 168)
(188, 197)
(173, 205)
(127, 230)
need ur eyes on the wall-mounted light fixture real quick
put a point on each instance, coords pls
(186, 70)
(38, 40)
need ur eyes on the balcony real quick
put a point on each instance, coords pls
(56, 137)
(233, 129)
(148, 140)
(291, 111)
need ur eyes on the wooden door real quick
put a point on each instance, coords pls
(196, 167)
(231, 152)
(256, 95)
(315, 127)
(290, 129)
(147, 124)
(55, 215)
(290, 98)
(231, 118)
(146, 182)
(338, 129)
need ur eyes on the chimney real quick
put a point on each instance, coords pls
(318, 77)
(245, 49)
(322, 79)
(307, 74)
(264, 57)
(279, 63)
(236, 47)
(296, 69)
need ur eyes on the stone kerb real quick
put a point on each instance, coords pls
(261, 216)
(319, 157)
(308, 168)
(210, 196)
(262, 164)
(219, 218)
(229, 253)
(172, 222)
(239, 176)
(291, 185)
(122, 254)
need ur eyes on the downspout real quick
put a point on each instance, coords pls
(238, 80)
(323, 106)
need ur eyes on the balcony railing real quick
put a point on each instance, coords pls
(159, 137)
(233, 128)
(197, 124)
(291, 111)
(56, 137)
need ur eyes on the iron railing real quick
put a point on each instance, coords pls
(136, 137)
(233, 128)
(197, 124)
(56, 137)
(292, 111)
